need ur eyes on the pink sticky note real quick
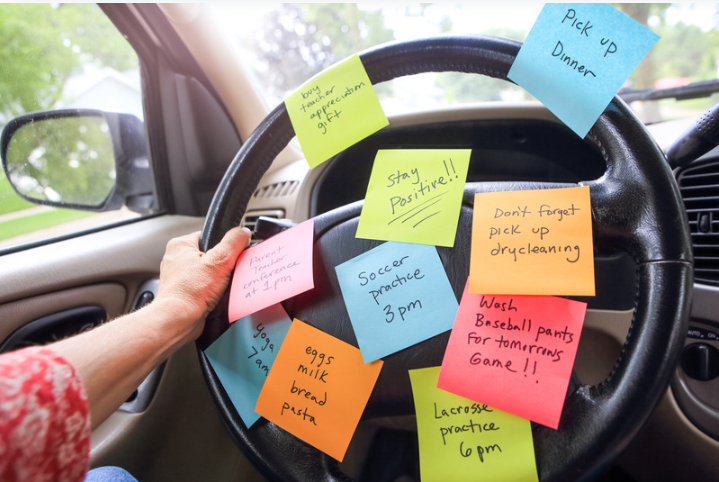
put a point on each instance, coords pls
(514, 353)
(272, 271)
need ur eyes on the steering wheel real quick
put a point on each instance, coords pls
(636, 209)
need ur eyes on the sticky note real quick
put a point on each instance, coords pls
(243, 356)
(576, 58)
(397, 295)
(318, 388)
(272, 271)
(334, 110)
(522, 348)
(533, 243)
(463, 440)
(414, 196)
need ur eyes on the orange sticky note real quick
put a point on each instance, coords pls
(517, 350)
(533, 243)
(318, 388)
(272, 271)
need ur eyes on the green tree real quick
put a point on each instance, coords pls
(686, 51)
(297, 41)
(44, 44)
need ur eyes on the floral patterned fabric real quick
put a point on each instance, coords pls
(44, 418)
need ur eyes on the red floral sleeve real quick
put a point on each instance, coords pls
(44, 418)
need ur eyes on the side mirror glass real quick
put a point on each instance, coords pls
(79, 159)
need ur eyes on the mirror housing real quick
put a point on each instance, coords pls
(79, 159)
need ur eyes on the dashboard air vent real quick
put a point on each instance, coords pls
(250, 218)
(277, 189)
(699, 186)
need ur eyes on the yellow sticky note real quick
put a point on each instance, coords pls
(463, 440)
(335, 110)
(533, 243)
(318, 388)
(414, 196)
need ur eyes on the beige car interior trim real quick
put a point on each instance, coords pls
(224, 67)
(110, 254)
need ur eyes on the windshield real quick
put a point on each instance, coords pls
(286, 44)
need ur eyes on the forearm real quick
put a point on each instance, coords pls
(113, 359)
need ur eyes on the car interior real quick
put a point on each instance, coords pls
(643, 400)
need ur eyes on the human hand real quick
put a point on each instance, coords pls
(192, 282)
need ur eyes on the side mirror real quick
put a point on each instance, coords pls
(79, 159)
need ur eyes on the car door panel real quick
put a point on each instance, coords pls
(109, 269)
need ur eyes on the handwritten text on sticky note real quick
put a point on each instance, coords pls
(414, 196)
(397, 295)
(463, 440)
(533, 242)
(272, 271)
(318, 389)
(521, 347)
(243, 356)
(577, 56)
(335, 110)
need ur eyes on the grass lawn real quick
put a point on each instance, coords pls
(16, 227)
(9, 200)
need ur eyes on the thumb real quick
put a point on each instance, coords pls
(225, 254)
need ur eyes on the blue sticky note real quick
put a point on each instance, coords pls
(397, 295)
(576, 58)
(243, 356)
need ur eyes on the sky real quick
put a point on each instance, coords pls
(470, 17)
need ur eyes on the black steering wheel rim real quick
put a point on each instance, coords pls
(636, 208)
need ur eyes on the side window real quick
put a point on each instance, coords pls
(67, 58)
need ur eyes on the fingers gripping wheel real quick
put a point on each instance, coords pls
(636, 208)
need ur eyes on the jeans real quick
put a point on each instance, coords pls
(109, 474)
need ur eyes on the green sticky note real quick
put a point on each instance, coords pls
(334, 110)
(414, 196)
(463, 440)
